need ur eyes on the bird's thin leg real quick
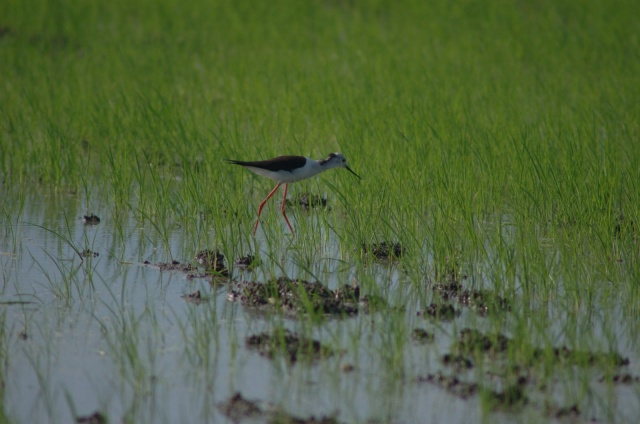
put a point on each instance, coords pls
(255, 228)
(284, 201)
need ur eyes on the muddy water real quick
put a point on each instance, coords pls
(115, 335)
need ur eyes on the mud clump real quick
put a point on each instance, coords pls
(246, 262)
(452, 384)
(459, 362)
(90, 219)
(578, 357)
(444, 312)
(384, 251)
(95, 418)
(195, 297)
(483, 301)
(512, 397)
(298, 296)
(473, 340)
(292, 346)
(625, 378)
(173, 266)
(281, 417)
(212, 260)
(237, 408)
(572, 411)
(89, 254)
(308, 201)
(422, 336)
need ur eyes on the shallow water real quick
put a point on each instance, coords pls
(115, 335)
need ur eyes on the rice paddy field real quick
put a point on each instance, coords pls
(485, 269)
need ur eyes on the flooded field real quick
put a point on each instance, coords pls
(145, 328)
(483, 264)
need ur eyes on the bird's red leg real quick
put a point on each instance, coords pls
(284, 201)
(255, 228)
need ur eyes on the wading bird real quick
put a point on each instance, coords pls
(289, 169)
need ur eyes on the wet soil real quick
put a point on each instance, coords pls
(95, 418)
(288, 344)
(624, 378)
(173, 266)
(482, 301)
(452, 384)
(307, 201)
(238, 408)
(89, 254)
(512, 397)
(443, 312)
(383, 251)
(90, 219)
(194, 297)
(422, 336)
(300, 296)
(471, 341)
(459, 362)
(281, 417)
(555, 411)
(246, 262)
(516, 379)
(212, 261)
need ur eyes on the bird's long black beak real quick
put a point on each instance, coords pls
(351, 170)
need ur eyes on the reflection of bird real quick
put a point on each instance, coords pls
(289, 169)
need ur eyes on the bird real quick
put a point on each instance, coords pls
(289, 169)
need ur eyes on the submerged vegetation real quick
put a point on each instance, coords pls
(493, 243)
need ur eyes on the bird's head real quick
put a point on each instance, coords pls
(337, 160)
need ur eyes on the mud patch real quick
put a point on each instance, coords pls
(173, 266)
(471, 341)
(281, 417)
(246, 262)
(95, 418)
(625, 378)
(89, 254)
(422, 336)
(451, 384)
(91, 219)
(237, 408)
(383, 251)
(288, 344)
(298, 296)
(509, 399)
(443, 312)
(554, 411)
(212, 260)
(308, 201)
(195, 297)
(459, 362)
(584, 358)
(482, 301)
